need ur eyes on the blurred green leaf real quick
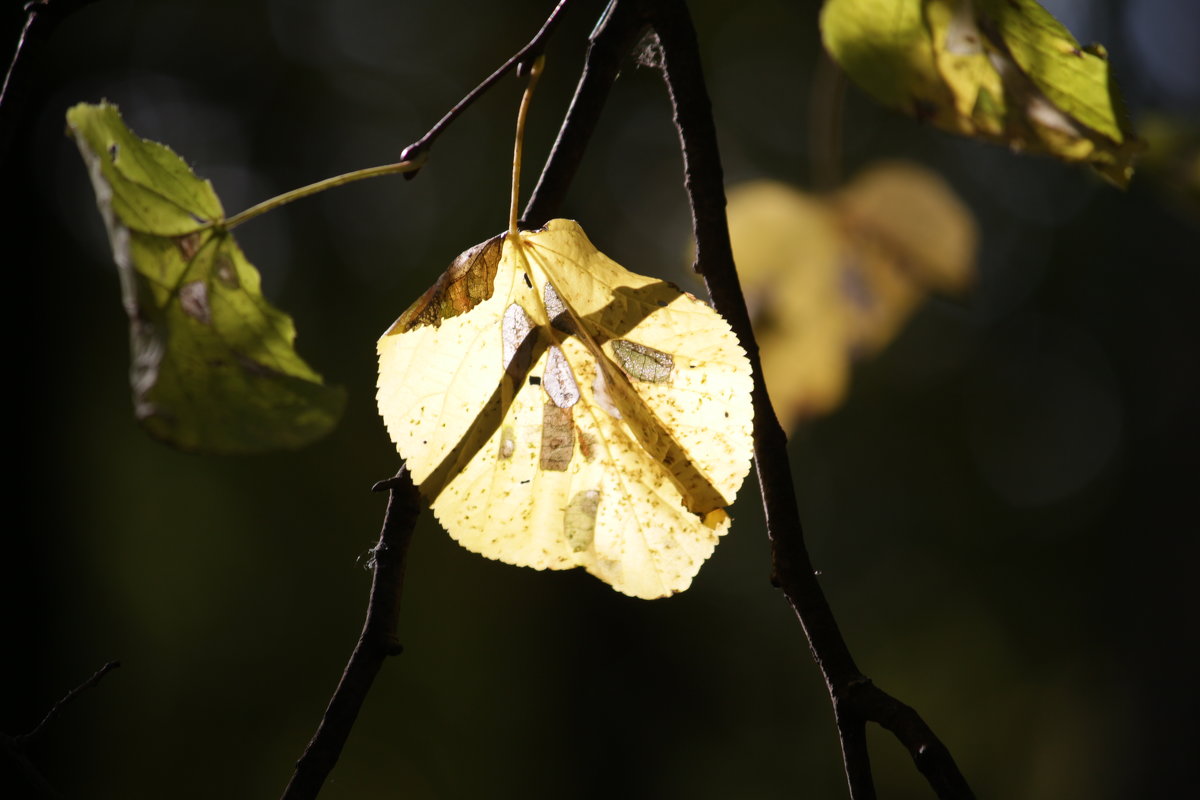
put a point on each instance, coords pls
(1003, 71)
(213, 364)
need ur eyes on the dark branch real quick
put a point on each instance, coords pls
(25, 739)
(856, 758)
(855, 699)
(528, 52)
(40, 18)
(14, 746)
(611, 40)
(377, 641)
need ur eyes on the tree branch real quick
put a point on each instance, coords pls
(14, 746)
(40, 18)
(534, 48)
(612, 38)
(26, 738)
(377, 641)
(855, 700)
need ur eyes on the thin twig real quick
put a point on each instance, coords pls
(612, 38)
(826, 108)
(854, 698)
(14, 747)
(40, 18)
(535, 46)
(376, 643)
(25, 739)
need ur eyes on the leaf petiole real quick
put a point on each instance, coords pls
(320, 186)
(535, 72)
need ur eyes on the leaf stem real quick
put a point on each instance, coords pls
(535, 72)
(320, 186)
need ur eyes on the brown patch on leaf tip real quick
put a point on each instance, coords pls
(558, 437)
(468, 281)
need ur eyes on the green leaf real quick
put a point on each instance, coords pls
(1004, 71)
(213, 364)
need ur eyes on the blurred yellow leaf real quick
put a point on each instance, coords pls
(1004, 71)
(559, 411)
(829, 279)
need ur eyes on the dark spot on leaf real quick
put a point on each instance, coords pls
(534, 380)
(923, 110)
(225, 271)
(579, 519)
(587, 444)
(556, 310)
(112, 151)
(255, 367)
(528, 283)
(662, 303)
(193, 299)
(188, 244)
(558, 437)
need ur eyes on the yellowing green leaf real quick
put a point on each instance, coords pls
(831, 279)
(214, 369)
(575, 414)
(1003, 71)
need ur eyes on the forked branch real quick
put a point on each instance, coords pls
(855, 699)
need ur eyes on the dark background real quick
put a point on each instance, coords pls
(1003, 511)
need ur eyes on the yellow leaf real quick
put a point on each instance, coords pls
(831, 279)
(559, 411)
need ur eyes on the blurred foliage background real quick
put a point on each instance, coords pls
(1003, 511)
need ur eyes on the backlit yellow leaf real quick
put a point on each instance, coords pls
(831, 279)
(571, 413)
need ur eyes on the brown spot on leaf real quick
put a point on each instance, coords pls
(225, 271)
(923, 110)
(468, 281)
(587, 445)
(558, 437)
(516, 340)
(193, 299)
(579, 519)
(556, 310)
(642, 362)
(508, 442)
(558, 380)
(188, 244)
